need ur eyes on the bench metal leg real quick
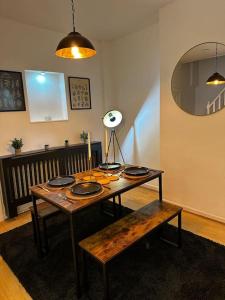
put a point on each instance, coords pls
(110, 212)
(44, 232)
(179, 231)
(120, 205)
(37, 227)
(114, 207)
(106, 282)
(75, 249)
(45, 235)
(101, 207)
(85, 273)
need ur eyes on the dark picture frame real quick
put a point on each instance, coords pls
(80, 93)
(11, 91)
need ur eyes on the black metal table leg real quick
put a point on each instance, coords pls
(101, 207)
(85, 273)
(120, 205)
(106, 282)
(114, 208)
(37, 226)
(179, 242)
(75, 254)
(34, 228)
(160, 188)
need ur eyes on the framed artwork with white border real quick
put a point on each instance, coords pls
(80, 93)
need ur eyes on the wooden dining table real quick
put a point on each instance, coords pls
(71, 207)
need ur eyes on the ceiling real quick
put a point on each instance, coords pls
(99, 19)
(203, 51)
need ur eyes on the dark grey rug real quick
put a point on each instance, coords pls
(162, 272)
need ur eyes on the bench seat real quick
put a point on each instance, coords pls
(44, 209)
(115, 238)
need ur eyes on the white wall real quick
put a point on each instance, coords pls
(192, 148)
(25, 47)
(134, 73)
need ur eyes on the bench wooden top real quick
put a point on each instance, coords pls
(115, 238)
(45, 209)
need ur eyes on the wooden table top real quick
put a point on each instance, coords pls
(55, 196)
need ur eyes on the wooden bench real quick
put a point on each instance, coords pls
(45, 211)
(117, 237)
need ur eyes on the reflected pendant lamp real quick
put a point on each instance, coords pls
(75, 45)
(216, 78)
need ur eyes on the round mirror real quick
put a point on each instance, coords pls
(198, 83)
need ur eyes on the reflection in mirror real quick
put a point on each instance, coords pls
(189, 88)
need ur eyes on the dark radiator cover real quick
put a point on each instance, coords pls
(17, 173)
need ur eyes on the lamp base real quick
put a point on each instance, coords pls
(113, 139)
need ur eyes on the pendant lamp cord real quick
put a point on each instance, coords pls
(216, 57)
(73, 14)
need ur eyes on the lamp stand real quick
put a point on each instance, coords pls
(113, 139)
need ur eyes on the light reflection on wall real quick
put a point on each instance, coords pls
(41, 78)
(141, 138)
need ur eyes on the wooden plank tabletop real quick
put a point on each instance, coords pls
(56, 197)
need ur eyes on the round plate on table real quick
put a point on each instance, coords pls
(109, 166)
(61, 181)
(136, 171)
(86, 188)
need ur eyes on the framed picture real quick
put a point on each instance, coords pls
(80, 93)
(11, 91)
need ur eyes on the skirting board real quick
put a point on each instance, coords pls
(187, 208)
(156, 188)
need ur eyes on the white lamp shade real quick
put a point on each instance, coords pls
(112, 118)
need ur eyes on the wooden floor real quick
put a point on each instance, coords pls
(11, 289)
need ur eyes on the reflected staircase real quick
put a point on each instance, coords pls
(217, 103)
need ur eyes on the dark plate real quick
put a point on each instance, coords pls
(136, 171)
(109, 166)
(86, 188)
(61, 181)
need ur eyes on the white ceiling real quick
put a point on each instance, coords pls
(203, 51)
(99, 19)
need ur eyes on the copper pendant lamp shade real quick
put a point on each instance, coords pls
(216, 78)
(75, 45)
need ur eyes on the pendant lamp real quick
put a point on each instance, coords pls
(75, 45)
(216, 78)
